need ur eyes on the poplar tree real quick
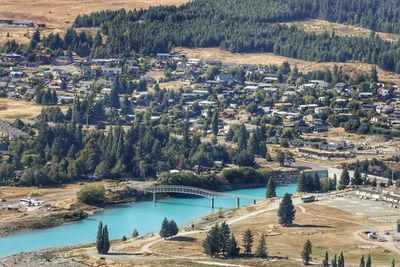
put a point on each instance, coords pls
(325, 262)
(369, 262)
(362, 261)
(99, 238)
(340, 260)
(334, 262)
(271, 188)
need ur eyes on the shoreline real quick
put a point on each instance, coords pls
(93, 210)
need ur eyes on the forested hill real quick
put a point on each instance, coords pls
(252, 26)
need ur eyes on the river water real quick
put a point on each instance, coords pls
(145, 216)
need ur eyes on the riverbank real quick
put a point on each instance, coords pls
(62, 208)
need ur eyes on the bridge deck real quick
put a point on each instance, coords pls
(195, 191)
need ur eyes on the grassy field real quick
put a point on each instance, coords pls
(321, 26)
(58, 15)
(11, 109)
(351, 68)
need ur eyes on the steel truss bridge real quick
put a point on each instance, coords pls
(189, 190)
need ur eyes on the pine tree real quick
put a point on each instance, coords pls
(334, 262)
(325, 262)
(393, 263)
(99, 238)
(232, 247)
(306, 253)
(247, 241)
(135, 233)
(316, 183)
(261, 251)
(271, 188)
(301, 183)
(164, 228)
(224, 236)
(369, 262)
(357, 179)
(172, 228)
(211, 244)
(286, 210)
(362, 261)
(340, 260)
(374, 74)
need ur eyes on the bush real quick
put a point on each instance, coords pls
(92, 195)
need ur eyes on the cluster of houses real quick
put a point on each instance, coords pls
(23, 24)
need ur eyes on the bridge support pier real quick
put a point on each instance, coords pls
(237, 202)
(212, 202)
(254, 201)
(154, 198)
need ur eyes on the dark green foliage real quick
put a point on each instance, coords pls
(211, 244)
(344, 178)
(135, 233)
(271, 188)
(261, 251)
(232, 247)
(92, 195)
(369, 262)
(357, 179)
(168, 228)
(247, 241)
(102, 240)
(362, 261)
(340, 262)
(334, 262)
(224, 237)
(286, 212)
(306, 253)
(325, 262)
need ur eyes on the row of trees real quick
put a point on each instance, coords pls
(219, 240)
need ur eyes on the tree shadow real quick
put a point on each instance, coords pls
(183, 239)
(309, 226)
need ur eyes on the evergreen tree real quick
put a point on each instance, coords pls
(211, 244)
(261, 251)
(369, 262)
(164, 228)
(306, 253)
(357, 179)
(340, 260)
(214, 122)
(334, 262)
(362, 261)
(393, 263)
(172, 228)
(99, 238)
(344, 178)
(232, 247)
(224, 236)
(135, 233)
(316, 183)
(325, 262)
(247, 241)
(286, 212)
(374, 74)
(301, 183)
(106, 241)
(271, 188)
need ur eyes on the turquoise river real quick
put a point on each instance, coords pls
(145, 216)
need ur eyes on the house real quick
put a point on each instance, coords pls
(11, 132)
(16, 74)
(27, 24)
(224, 78)
(321, 84)
(308, 199)
(229, 113)
(365, 94)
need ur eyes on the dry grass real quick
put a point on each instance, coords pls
(325, 234)
(321, 26)
(58, 15)
(351, 68)
(11, 109)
